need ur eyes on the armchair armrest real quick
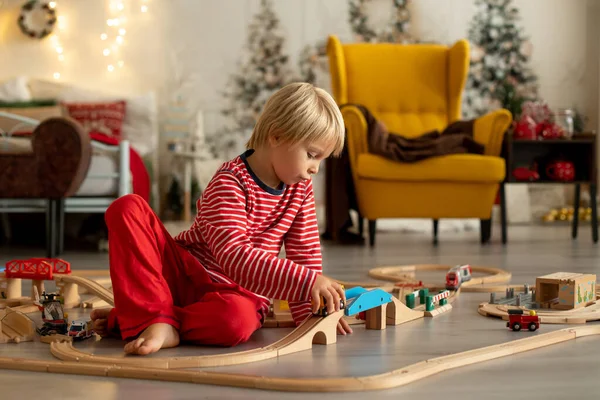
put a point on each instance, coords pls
(356, 134)
(489, 130)
(62, 153)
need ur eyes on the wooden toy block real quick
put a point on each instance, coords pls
(438, 311)
(11, 287)
(376, 318)
(69, 293)
(398, 313)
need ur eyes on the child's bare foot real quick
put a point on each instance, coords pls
(155, 337)
(99, 319)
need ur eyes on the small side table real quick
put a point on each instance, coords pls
(581, 150)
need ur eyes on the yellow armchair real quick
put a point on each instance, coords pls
(414, 89)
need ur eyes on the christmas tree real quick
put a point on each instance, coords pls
(498, 74)
(262, 71)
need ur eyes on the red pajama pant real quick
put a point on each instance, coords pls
(155, 280)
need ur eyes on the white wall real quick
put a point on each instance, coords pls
(207, 35)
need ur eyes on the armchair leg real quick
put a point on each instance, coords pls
(60, 217)
(372, 228)
(361, 225)
(435, 231)
(51, 228)
(503, 212)
(486, 230)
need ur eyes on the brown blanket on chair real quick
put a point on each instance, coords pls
(340, 196)
(455, 139)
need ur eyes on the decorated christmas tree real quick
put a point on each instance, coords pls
(262, 71)
(499, 75)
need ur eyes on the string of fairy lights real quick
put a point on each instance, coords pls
(112, 38)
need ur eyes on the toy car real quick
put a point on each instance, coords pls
(517, 320)
(81, 329)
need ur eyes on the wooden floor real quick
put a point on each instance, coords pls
(568, 370)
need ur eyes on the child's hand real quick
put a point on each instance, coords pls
(343, 327)
(330, 290)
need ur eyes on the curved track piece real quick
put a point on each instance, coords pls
(312, 330)
(405, 273)
(574, 316)
(396, 378)
(15, 327)
(92, 286)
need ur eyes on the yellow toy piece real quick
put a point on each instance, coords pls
(532, 313)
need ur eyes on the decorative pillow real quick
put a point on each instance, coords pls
(105, 118)
(140, 125)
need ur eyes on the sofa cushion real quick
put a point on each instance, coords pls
(455, 167)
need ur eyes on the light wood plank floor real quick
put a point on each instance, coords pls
(568, 370)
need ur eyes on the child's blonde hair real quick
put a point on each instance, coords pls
(300, 112)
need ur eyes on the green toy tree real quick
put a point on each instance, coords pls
(499, 75)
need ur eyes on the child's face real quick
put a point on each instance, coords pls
(299, 162)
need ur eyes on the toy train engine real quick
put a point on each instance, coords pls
(55, 320)
(457, 275)
(517, 320)
(322, 312)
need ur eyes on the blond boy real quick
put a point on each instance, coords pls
(211, 284)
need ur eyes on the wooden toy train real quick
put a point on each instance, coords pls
(457, 275)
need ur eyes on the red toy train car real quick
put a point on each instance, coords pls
(457, 275)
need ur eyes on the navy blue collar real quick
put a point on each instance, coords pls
(281, 188)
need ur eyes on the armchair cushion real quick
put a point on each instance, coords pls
(450, 168)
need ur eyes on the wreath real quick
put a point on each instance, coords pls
(397, 32)
(37, 19)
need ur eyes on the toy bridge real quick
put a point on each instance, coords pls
(36, 268)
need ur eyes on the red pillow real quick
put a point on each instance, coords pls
(106, 118)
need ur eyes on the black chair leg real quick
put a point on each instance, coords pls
(361, 225)
(576, 210)
(51, 228)
(435, 231)
(594, 212)
(503, 213)
(486, 230)
(372, 229)
(60, 217)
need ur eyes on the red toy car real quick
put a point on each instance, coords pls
(517, 320)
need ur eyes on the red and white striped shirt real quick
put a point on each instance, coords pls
(240, 228)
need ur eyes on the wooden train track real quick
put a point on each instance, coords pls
(391, 379)
(92, 286)
(313, 330)
(405, 273)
